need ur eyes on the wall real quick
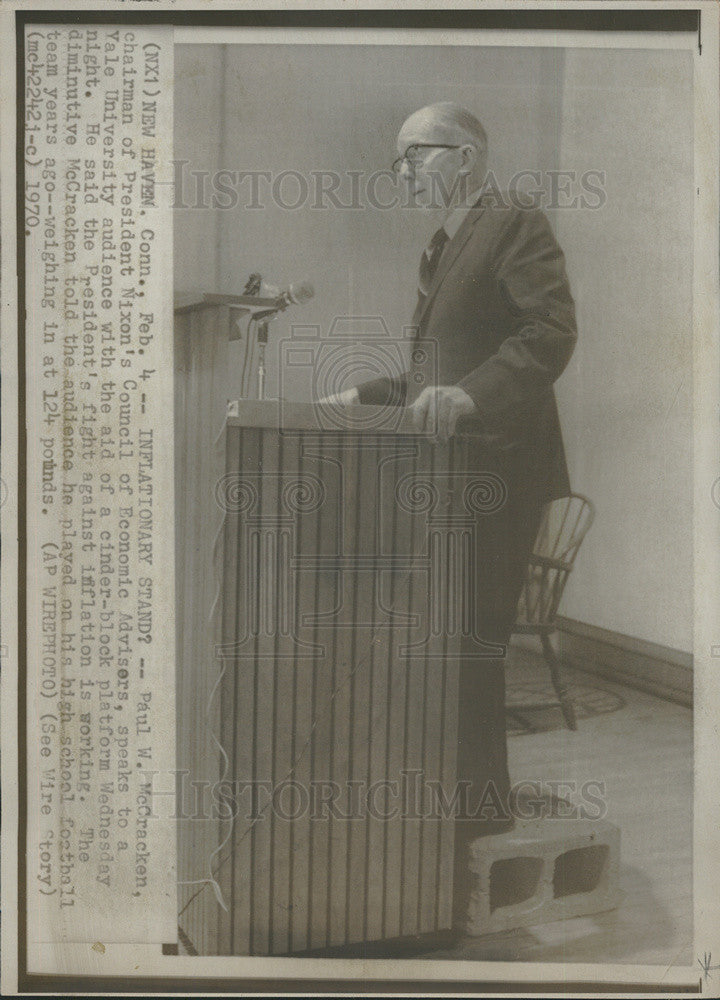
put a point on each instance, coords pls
(199, 96)
(626, 397)
(338, 108)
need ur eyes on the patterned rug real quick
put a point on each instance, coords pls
(527, 680)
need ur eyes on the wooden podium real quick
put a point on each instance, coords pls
(323, 559)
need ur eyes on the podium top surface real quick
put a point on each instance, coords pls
(186, 301)
(287, 415)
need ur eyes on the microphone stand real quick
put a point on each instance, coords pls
(262, 337)
(263, 319)
(262, 311)
(263, 326)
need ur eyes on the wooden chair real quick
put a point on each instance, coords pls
(564, 524)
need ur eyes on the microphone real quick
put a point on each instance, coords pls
(296, 294)
(264, 300)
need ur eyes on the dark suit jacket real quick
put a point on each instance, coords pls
(501, 313)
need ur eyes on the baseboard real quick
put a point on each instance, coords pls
(648, 666)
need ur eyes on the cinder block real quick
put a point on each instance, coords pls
(542, 870)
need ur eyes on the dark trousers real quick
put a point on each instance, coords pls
(482, 767)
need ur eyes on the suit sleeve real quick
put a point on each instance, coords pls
(529, 269)
(384, 391)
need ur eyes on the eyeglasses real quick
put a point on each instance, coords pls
(410, 155)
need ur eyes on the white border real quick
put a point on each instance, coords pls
(120, 961)
(8, 513)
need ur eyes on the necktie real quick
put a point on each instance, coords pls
(429, 262)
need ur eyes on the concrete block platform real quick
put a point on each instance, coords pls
(542, 870)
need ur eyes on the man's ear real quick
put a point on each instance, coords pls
(469, 158)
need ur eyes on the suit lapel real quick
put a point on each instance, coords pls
(451, 254)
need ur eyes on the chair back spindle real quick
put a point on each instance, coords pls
(563, 527)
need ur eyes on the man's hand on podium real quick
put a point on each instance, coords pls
(439, 407)
(348, 398)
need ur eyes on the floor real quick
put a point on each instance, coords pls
(641, 748)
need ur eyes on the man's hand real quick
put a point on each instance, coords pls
(438, 409)
(348, 398)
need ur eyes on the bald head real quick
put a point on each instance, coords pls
(445, 122)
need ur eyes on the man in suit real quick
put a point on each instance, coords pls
(494, 296)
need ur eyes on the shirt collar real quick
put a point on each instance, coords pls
(457, 216)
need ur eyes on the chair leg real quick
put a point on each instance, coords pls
(560, 689)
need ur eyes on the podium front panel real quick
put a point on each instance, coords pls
(346, 565)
